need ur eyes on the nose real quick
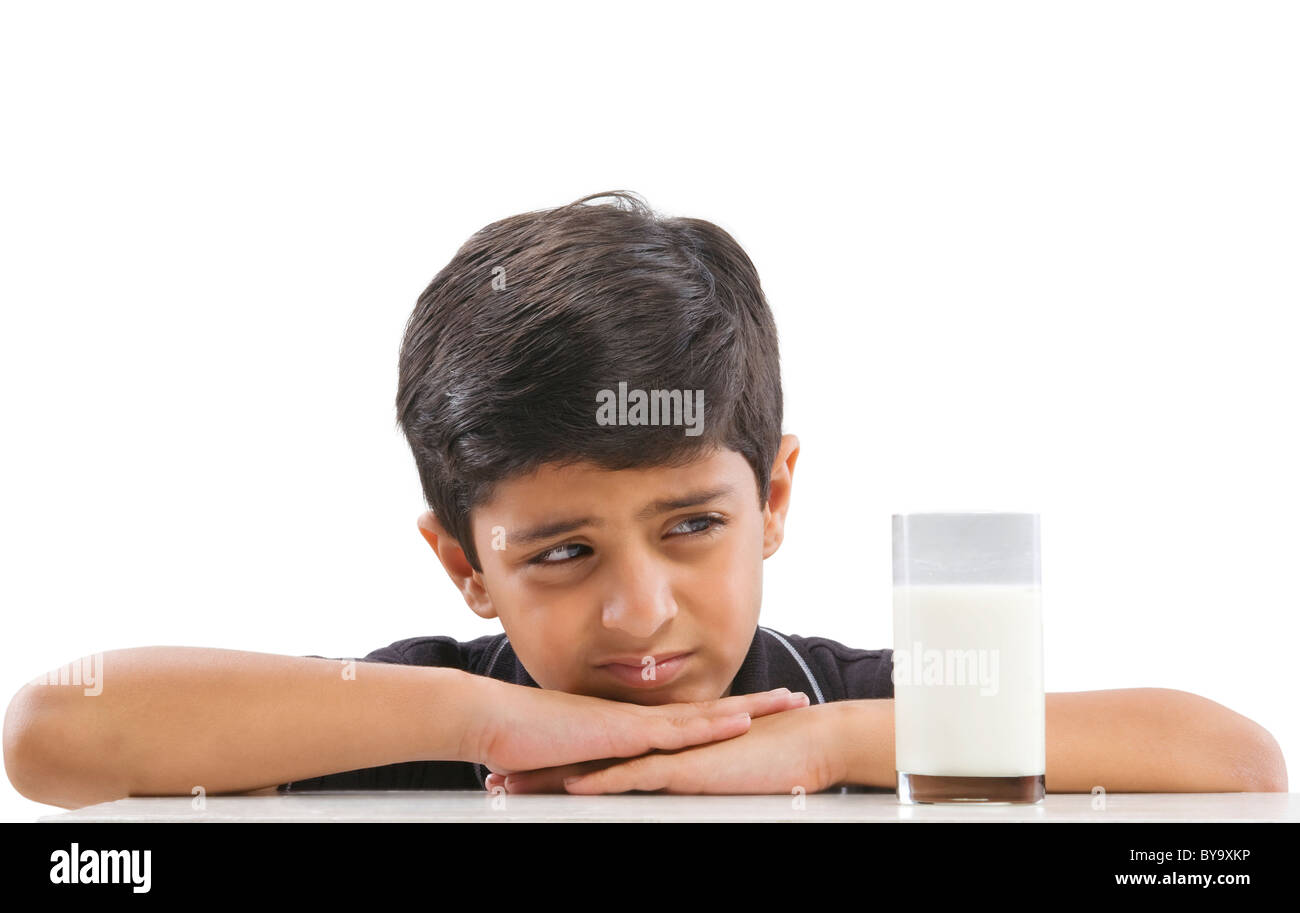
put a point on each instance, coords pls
(640, 597)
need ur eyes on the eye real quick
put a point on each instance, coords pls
(712, 523)
(549, 556)
(571, 551)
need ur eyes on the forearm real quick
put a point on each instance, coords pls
(169, 719)
(1156, 740)
(865, 742)
(1130, 740)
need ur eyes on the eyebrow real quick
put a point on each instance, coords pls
(663, 505)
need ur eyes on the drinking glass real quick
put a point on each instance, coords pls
(969, 707)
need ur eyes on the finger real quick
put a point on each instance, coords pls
(682, 725)
(678, 731)
(545, 780)
(551, 779)
(649, 773)
(793, 700)
(760, 704)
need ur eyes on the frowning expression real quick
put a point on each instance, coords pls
(640, 585)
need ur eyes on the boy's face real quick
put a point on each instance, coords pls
(586, 567)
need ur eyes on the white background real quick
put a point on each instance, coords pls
(1023, 256)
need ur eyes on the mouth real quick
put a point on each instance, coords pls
(663, 669)
(638, 661)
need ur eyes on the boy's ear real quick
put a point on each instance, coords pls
(778, 496)
(457, 566)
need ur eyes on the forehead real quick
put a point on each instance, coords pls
(554, 487)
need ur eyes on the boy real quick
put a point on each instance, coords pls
(593, 399)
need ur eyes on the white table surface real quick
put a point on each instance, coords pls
(477, 805)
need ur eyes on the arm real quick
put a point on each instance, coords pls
(1126, 740)
(172, 718)
(168, 719)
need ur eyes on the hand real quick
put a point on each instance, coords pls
(799, 747)
(528, 728)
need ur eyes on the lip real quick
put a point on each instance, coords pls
(635, 659)
(666, 667)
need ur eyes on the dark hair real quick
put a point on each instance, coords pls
(508, 347)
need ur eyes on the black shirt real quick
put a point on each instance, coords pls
(821, 668)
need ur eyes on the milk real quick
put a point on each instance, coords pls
(968, 680)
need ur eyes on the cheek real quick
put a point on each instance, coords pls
(543, 630)
(729, 588)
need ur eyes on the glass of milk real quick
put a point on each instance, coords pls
(969, 707)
